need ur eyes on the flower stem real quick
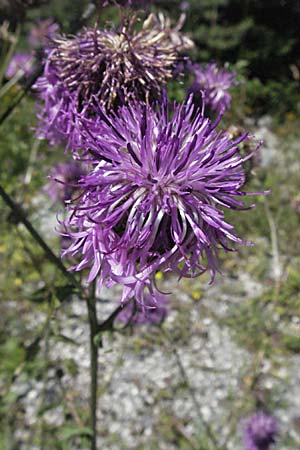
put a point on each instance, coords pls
(93, 324)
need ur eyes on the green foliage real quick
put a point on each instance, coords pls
(12, 355)
(291, 343)
(261, 324)
(272, 97)
(67, 432)
(253, 326)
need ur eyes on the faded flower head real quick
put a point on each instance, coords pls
(20, 62)
(151, 312)
(155, 197)
(63, 181)
(214, 82)
(260, 431)
(113, 66)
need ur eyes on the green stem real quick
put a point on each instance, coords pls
(93, 324)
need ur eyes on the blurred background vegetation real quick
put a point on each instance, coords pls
(260, 40)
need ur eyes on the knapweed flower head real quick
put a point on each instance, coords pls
(260, 431)
(22, 63)
(113, 66)
(155, 197)
(215, 83)
(63, 181)
(149, 313)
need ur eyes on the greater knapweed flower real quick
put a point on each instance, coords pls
(22, 63)
(260, 431)
(215, 83)
(63, 181)
(114, 66)
(148, 313)
(155, 197)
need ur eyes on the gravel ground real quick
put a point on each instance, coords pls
(151, 380)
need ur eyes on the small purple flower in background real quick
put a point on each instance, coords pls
(42, 32)
(214, 82)
(151, 312)
(20, 62)
(154, 199)
(184, 6)
(64, 181)
(260, 431)
(111, 66)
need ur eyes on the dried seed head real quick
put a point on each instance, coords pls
(110, 66)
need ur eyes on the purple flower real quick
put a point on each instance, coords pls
(42, 32)
(64, 181)
(214, 82)
(20, 62)
(151, 312)
(260, 431)
(113, 66)
(184, 6)
(154, 198)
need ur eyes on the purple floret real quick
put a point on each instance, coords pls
(215, 83)
(260, 431)
(155, 197)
